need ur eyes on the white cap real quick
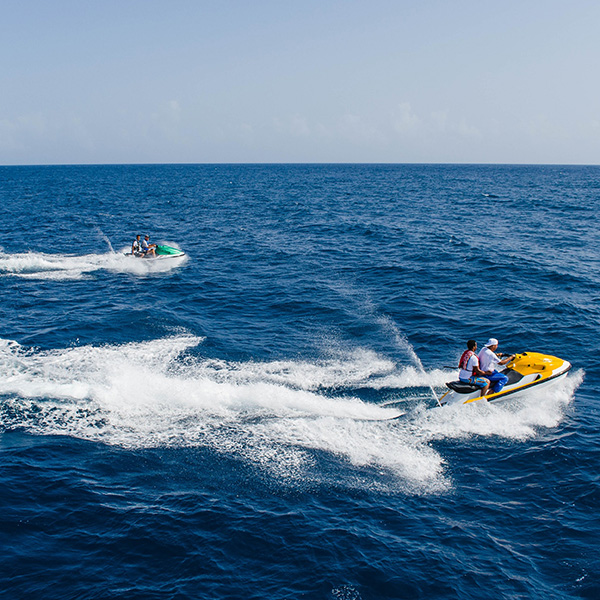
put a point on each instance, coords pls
(491, 342)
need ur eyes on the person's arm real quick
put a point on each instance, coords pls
(507, 359)
(476, 369)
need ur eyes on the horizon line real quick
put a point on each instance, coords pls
(320, 163)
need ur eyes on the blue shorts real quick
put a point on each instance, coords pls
(480, 382)
(497, 381)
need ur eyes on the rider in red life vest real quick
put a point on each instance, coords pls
(469, 368)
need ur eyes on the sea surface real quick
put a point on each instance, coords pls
(258, 419)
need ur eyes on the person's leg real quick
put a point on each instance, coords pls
(497, 381)
(485, 390)
(481, 382)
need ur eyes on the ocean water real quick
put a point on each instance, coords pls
(224, 425)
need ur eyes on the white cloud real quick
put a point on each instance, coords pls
(466, 130)
(296, 126)
(439, 120)
(404, 120)
(19, 132)
(357, 128)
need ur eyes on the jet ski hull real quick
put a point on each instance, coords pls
(168, 251)
(527, 371)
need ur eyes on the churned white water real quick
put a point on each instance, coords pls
(41, 265)
(282, 416)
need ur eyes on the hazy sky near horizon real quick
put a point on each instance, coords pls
(148, 81)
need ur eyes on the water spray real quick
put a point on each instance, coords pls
(105, 238)
(403, 343)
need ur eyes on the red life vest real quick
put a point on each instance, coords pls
(464, 359)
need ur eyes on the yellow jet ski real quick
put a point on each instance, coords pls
(529, 370)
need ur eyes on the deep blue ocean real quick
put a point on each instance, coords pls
(221, 426)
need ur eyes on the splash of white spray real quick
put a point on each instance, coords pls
(407, 347)
(280, 416)
(105, 238)
(40, 265)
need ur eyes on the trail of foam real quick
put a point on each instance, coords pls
(358, 368)
(39, 265)
(271, 415)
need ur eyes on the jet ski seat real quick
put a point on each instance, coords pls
(461, 388)
(466, 388)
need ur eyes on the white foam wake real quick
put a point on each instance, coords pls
(40, 265)
(359, 368)
(276, 415)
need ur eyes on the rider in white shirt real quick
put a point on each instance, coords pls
(147, 248)
(489, 360)
(136, 247)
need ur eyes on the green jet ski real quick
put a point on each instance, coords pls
(168, 251)
(161, 251)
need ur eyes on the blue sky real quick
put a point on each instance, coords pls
(299, 81)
